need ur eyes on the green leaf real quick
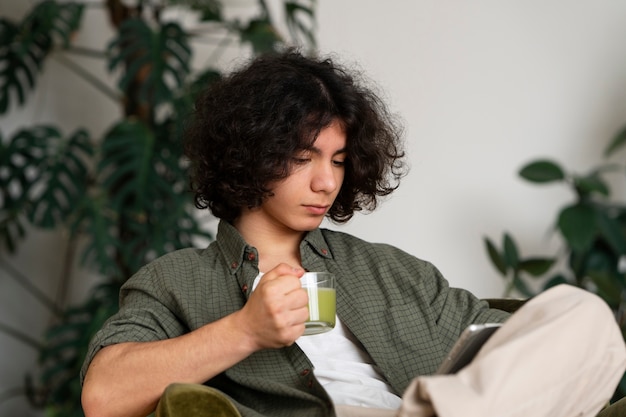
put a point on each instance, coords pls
(496, 259)
(24, 161)
(542, 171)
(578, 226)
(21, 58)
(521, 287)
(126, 166)
(24, 46)
(536, 266)
(50, 18)
(64, 179)
(156, 62)
(618, 141)
(96, 221)
(261, 35)
(301, 20)
(607, 287)
(511, 254)
(612, 230)
(555, 280)
(590, 184)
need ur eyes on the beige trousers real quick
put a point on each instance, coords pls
(561, 355)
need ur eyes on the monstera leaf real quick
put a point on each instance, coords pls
(300, 20)
(153, 60)
(65, 178)
(96, 221)
(25, 45)
(261, 35)
(44, 175)
(128, 167)
(143, 177)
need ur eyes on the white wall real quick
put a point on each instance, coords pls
(483, 86)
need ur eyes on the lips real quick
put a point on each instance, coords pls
(316, 208)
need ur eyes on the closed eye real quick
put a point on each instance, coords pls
(300, 161)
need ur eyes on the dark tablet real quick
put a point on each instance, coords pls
(467, 346)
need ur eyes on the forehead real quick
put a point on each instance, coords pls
(331, 137)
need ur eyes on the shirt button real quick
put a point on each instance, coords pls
(251, 256)
(324, 251)
(244, 288)
(305, 372)
(233, 265)
(310, 383)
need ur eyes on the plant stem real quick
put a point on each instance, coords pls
(66, 273)
(31, 288)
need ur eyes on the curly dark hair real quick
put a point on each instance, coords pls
(248, 126)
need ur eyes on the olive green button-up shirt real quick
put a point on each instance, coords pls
(399, 307)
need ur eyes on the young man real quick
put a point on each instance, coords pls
(276, 147)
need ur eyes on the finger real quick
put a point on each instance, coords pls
(282, 269)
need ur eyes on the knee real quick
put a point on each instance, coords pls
(617, 409)
(191, 400)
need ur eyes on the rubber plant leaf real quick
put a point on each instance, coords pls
(542, 171)
(536, 266)
(591, 184)
(618, 141)
(496, 259)
(511, 254)
(520, 285)
(555, 280)
(578, 226)
(612, 230)
(607, 287)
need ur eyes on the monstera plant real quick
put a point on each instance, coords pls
(593, 232)
(124, 195)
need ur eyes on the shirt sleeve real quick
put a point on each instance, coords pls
(146, 314)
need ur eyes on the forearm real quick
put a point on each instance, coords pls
(128, 379)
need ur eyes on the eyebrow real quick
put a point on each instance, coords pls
(319, 151)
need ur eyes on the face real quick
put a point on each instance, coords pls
(301, 200)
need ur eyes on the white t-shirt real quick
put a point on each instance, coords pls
(345, 369)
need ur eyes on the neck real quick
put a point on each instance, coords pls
(275, 245)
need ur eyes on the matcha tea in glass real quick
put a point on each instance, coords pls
(320, 287)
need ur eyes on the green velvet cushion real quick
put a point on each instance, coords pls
(194, 400)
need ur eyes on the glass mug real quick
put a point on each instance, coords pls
(320, 287)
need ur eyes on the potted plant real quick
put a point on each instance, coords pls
(593, 233)
(124, 195)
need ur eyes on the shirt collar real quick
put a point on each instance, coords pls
(234, 247)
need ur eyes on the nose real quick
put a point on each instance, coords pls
(325, 178)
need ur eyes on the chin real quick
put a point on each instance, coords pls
(308, 226)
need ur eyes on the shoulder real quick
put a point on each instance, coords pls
(166, 271)
(346, 245)
(179, 260)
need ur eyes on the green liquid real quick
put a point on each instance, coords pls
(322, 303)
